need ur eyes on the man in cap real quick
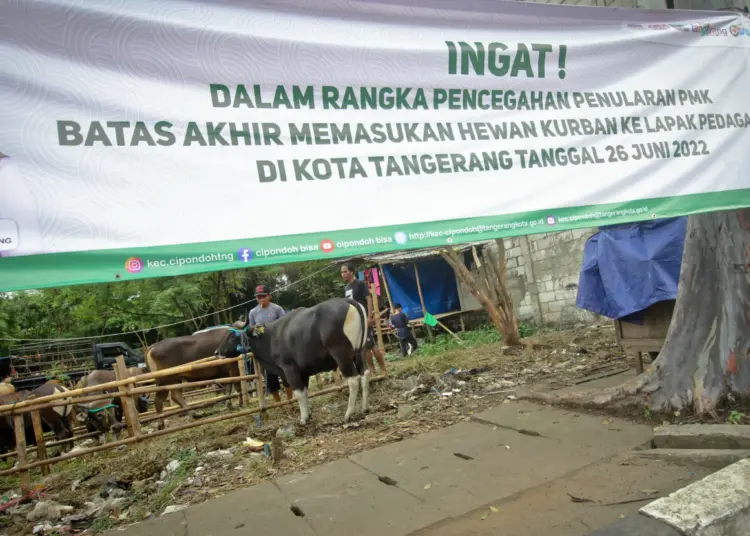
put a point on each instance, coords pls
(265, 313)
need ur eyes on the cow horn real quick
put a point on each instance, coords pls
(239, 324)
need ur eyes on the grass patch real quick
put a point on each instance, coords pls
(483, 335)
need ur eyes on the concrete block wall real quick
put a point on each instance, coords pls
(543, 272)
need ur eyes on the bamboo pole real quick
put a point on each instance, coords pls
(191, 407)
(385, 284)
(41, 449)
(449, 331)
(210, 420)
(115, 384)
(376, 311)
(261, 388)
(244, 392)
(421, 301)
(126, 399)
(20, 431)
(199, 392)
(175, 386)
(138, 391)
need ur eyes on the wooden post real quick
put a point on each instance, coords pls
(385, 285)
(461, 319)
(376, 314)
(41, 449)
(129, 407)
(261, 389)
(244, 393)
(421, 301)
(337, 383)
(21, 452)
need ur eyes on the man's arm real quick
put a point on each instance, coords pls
(370, 315)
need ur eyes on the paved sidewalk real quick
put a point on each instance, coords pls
(431, 480)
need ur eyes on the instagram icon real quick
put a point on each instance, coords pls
(134, 265)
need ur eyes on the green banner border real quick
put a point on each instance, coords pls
(63, 269)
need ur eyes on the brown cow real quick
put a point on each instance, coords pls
(181, 351)
(7, 388)
(54, 419)
(101, 415)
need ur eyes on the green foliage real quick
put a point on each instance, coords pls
(736, 417)
(114, 308)
(445, 342)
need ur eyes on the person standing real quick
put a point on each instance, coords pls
(357, 290)
(265, 313)
(400, 321)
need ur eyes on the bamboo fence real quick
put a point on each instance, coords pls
(127, 392)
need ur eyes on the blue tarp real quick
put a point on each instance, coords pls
(627, 268)
(438, 287)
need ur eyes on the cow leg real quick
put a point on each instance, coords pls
(228, 388)
(365, 378)
(159, 399)
(347, 365)
(177, 397)
(299, 389)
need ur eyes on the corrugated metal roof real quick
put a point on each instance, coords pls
(409, 255)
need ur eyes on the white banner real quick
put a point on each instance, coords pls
(164, 131)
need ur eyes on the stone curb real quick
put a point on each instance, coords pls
(714, 459)
(702, 436)
(717, 505)
(637, 525)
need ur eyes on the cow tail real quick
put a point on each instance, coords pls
(150, 360)
(363, 324)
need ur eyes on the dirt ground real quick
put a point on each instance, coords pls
(423, 392)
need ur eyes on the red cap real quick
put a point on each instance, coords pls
(260, 290)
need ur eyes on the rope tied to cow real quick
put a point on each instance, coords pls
(97, 410)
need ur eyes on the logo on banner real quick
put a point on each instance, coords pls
(134, 265)
(735, 30)
(8, 235)
(551, 220)
(244, 254)
(326, 246)
(400, 238)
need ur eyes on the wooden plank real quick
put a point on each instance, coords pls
(643, 345)
(41, 449)
(21, 457)
(129, 407)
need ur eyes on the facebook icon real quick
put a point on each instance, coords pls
(244, 254)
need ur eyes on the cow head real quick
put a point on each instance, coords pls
(100, 415)
(239, 341)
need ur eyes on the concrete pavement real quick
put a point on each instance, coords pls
(428, 481)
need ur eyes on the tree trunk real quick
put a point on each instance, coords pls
(706, 354)
(505, 324)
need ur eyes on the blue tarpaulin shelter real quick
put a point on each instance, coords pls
(441, 290)
(627, 268)
(438, 283)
